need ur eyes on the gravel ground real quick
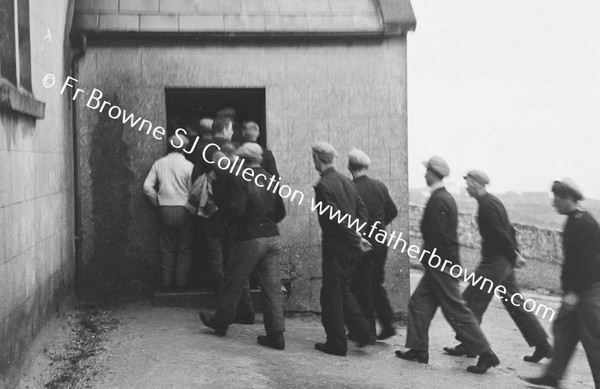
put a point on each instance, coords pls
(141, 346)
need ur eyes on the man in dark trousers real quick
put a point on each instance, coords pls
(498, 262)
(253, 215)
(438, 288)
(342, 248)
(251, 132)
(579, 316)
(368, 278)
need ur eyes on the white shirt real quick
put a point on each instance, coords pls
(173, 173)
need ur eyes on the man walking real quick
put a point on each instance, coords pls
(253, 215)
(498, 263)
(579, 316)
(172, 175)
(368, 278)
(438, 288)
(342, 248)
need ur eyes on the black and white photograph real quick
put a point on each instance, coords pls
(299, 194)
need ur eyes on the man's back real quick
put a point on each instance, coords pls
(376, 197)
(439, 225)
(497, 234)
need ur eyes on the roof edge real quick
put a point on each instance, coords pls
(397, 16)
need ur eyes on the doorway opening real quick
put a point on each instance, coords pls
(186, 107)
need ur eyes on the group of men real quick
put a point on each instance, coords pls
(231, 212)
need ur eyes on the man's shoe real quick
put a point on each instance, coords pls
(543, 381)
(244, 320)
(325, 349)
(459, 351)
(542, 351)
(274, 340)
(386, 333)
(486, 360)
(209, 321)
(414, 355)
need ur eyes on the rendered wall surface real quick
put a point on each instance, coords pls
(350, 94)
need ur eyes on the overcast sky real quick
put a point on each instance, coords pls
(511, 87)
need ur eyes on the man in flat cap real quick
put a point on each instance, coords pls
(172, 175)
(499, 254)
(579, 316)
(368, 278)
(253, 215)
(251, 132)
(342, 248)
(438, 288)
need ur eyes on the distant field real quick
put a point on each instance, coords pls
(539, 213)
(544, 278)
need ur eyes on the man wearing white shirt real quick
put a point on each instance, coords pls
(167, 187)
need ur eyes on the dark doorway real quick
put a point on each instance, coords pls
(185, 106)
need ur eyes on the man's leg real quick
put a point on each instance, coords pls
(528, 324)
(331, 300)
(184, 252)
(566, 337)
(361, 289)
(354, 318)
(588, 318)
(458, 315)
(167, 242)
(243, 259)
(381, 303)
(215, 242)
(269, 277)
(421, 308)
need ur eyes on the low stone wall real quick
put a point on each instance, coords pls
(534, 242)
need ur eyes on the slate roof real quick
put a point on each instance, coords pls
(253, 17)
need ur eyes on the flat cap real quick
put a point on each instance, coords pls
(206, 125)
(177, 140)
(227, 111)
(250, 151)
(323, 149)
(438, 165)
(569, 187)
(358, 157)
(478, 176)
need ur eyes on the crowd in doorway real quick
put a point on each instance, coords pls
(238, 220)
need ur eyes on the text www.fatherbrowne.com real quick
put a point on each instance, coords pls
(391, 239)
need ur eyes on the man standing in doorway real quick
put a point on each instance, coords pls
(172, 175)
(498, 263)
(579, 315)
(251, 132)
(342, 248)
(438, 288)
(368, 278)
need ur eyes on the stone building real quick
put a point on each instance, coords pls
(37, 267)
(332, 70)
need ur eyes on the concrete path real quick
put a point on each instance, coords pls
(162, 347)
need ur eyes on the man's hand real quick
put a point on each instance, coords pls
(365, 245)
(570, 300)
(520, 260)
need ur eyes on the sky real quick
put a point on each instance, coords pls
(510, 87)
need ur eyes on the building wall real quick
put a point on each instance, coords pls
(36, 196)
(350, 94)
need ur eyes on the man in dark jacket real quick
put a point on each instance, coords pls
(251, 132)
(579, 316)
(498, 262)
(253, 215)
(368, 278)
(342, 248)
(438, 288)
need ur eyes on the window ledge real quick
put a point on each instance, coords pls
(12, 100)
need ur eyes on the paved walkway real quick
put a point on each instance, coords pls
(162, 347)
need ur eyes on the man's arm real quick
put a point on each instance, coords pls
(389, 208)
(490, 215)
(149, 185)
(342, 228)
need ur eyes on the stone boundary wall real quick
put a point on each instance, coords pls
(534, 242)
